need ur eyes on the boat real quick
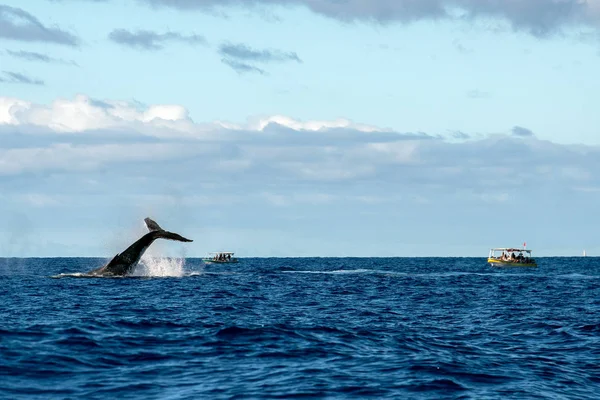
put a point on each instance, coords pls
(220, 257)
(511, 257)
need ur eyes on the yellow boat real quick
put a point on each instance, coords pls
(511, 257)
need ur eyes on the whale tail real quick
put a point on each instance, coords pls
(124, 262)
(151, 225)
(162, 234)
(171, 236)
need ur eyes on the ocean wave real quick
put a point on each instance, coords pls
(322, 328)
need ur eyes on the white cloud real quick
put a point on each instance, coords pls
(91, 135)
(90, 159)
(84, 113)
(9, 107)
(309, 125)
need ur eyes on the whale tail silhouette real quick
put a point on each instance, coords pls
(162, 234)
(171, 236)
(124, 262)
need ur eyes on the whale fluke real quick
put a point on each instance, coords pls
(124, 263)
(171, 236)
(151, 225)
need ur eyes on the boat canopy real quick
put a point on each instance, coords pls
(223, 252)
(511, 249)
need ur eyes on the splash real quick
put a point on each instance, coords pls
(159, 266)
(74, 275)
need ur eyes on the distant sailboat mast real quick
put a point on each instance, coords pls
(584, 253)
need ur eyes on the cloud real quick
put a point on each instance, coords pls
(536, 17)
(39, 57)
(92, 159)
(85, 114)
(237, 57)
(15, 77)
(522, 132)
(67, 157)
(149, 40)
(115, 148)
(245, 53)
(18, 24)
(85, 133)
(241, 67)
(314, 125)
(460, 135)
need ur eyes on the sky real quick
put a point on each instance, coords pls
(278, 128)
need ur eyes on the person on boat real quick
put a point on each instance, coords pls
(228, 257)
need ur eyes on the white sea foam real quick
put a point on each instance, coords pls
(160, 266)
(71, 275)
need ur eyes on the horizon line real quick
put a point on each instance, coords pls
(248, 257)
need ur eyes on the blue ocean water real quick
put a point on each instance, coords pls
(419, 328)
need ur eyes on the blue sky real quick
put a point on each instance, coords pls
(300, 127)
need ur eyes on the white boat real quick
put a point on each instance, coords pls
(511, 257)
(220, 257)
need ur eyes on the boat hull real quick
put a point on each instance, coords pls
(211, 261)
(499, 263)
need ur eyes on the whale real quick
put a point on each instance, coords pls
(125, 262)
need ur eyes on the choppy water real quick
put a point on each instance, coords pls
(282, 328)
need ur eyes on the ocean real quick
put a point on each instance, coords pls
(281, 328)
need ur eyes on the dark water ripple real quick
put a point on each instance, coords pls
(303, 328)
